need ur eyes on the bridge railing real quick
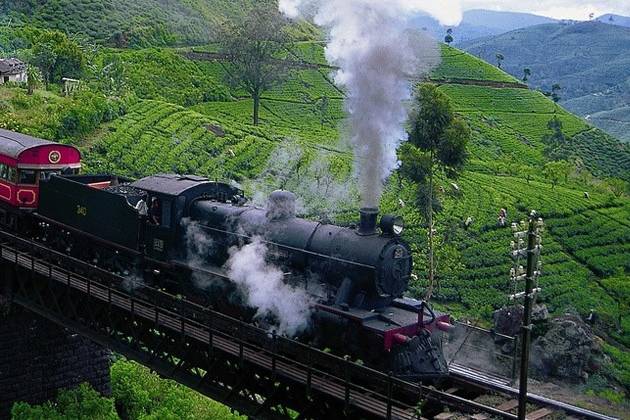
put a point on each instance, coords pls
(282, 356)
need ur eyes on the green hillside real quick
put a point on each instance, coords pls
(589, 60)
(137, 23)
(508, 125)
(178, 115)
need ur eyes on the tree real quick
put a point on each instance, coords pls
(438, 141)
(557, 171)
(555, 92)
(33, 78)
(554, 141)
(58, 56)
(449, 36)
(45, 57)
(252, 47)
(618, 187)
(500, 59)
(526, 74)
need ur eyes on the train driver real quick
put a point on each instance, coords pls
(156, 211)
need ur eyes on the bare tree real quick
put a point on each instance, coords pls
(253, 48)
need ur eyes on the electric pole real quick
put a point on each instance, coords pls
(532, 252)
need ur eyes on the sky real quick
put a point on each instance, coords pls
(559, 9)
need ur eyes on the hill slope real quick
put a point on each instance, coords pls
(134, 23)
(204, 127)
(589, 60)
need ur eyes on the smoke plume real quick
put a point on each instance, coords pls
(319, 189)
(377, 54)
(264, 289)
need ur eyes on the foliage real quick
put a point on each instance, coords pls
(58, 56)
(82, 403)
(164, 75)
(141, 394)
(437, 145)
(252, 47)
(557, 171)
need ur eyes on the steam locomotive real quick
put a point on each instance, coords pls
(355, 275)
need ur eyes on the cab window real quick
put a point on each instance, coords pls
(166, 213)
(27, 177)
(45, 175)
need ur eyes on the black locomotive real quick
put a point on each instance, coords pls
(356, 275)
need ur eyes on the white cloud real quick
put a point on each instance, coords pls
(560, 9)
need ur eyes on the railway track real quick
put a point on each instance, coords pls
(467, 378)
(395, 399)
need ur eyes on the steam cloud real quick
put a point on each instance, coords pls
(377, 54)
(312, 180)
(260, 283)
(264, 288)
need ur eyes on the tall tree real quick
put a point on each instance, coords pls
(449, 36)
(555, 92)
(253, 47)
(437, 145)
(500, 58)
(33, 78)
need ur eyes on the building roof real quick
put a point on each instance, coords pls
(170, 184)
(11, 66)
(12, 144)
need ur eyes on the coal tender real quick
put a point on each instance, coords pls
(359, 275)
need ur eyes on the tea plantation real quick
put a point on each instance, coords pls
(182, 117)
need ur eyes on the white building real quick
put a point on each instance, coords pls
(12, 70)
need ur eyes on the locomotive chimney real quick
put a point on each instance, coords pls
(367, 226)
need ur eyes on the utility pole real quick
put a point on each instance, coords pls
(531, 277)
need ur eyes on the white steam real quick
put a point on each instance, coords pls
(264, 288)
(377, 54)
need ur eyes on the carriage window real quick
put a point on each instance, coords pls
(27, 177)
(7, 173)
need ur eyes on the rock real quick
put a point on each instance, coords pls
(540, 313)
(508, 320)
(569, 351)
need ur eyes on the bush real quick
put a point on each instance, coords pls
(140, 393)
(82, 403)
(86, 113)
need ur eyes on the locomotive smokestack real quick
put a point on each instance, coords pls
(367, 226)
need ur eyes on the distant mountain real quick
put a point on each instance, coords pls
(481, 23)
(590, 61)
(615, 20)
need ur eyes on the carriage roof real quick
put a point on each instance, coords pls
(14, 145)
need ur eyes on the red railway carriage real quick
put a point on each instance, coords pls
(25, 160)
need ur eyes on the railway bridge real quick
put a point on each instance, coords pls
(257, 374)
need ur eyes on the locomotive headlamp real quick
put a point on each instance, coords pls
(392, 225)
